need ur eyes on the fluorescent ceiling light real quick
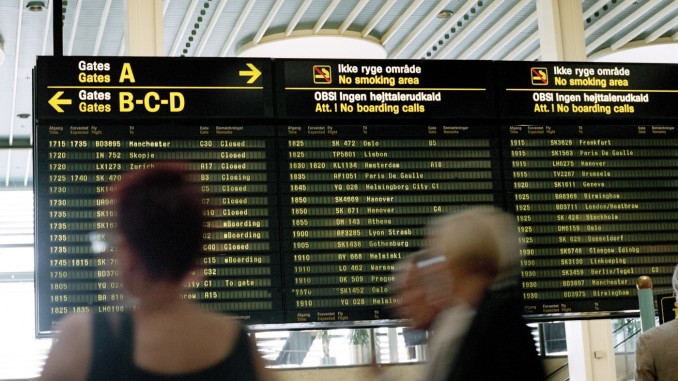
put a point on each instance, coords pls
(306, 44)
(653, 53)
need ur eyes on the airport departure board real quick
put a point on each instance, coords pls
(321, 174)
(355, 199)
(235, 167)
(589, 157)
(598, 207)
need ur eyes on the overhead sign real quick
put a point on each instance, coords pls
(353, 89)
(556, 90)
(312, 207)
(150, 87)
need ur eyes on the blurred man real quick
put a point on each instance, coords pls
(469, 269)
(657, 351)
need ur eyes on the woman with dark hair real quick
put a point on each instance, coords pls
(157, 229)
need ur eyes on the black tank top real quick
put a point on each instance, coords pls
(113, 359)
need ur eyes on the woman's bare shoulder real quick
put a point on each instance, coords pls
(222, 327)
(70, 355)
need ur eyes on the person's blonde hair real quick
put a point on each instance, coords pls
(484, 239)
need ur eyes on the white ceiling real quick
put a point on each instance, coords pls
(408, 29)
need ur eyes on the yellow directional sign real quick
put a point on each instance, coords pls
(56, 102)
(132, 87)
(254, 73)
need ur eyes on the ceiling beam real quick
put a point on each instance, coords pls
(401, 20)
(74, 29)
(352, 16)
(377, 17)
(421, 26)
(515, 53)
(504, 42)
(656, 16)
(661, 30)
(608, 17)
(210, 28)
(179, 37)
(15, 80)
(102, 27)
(323, 18)
(593, 8)
(28, 172)
(458, 15)
(297, 16)
(494, 29)
(268, 20)
(615, 29)
(236, 28)
(48, 21)
(535, 55)
(466, 32)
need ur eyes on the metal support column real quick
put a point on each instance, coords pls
(144, 28)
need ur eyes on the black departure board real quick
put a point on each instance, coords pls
(370, 154)
(235, 166)
(99, 117)
(590, 169)
(598, 208)
(355, 199)
(322, 174)
(305, 232)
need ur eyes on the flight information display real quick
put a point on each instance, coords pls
(309, 232)
(598, 207)
(586, 92)
(97, 117)
(319, 181)
(355, 199)
(590, 166)
(235, 166)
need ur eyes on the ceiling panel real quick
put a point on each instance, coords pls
(408, 29)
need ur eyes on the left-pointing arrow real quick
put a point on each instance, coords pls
(56, 102)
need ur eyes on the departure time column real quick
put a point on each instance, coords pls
(78, 281)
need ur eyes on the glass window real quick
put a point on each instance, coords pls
(21, 354)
